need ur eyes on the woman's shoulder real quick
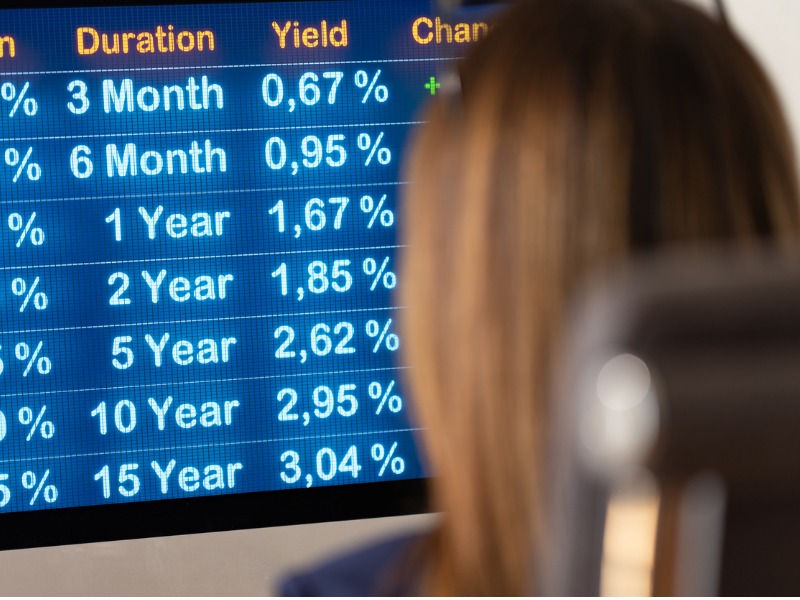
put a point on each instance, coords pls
(380, 569)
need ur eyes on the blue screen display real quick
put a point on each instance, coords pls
(198, 246)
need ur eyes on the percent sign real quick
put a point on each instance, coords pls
(19, 287)
(379, 274)
(377, 212)
(393, 401)
(379, 92)
(8, 92)
(379, 454)
(29, 482)
(23, 353)
(46, 429)
(384, 155)
(391, 340)
(25, 229)
(32, 170)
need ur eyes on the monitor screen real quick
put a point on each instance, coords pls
(198, 263)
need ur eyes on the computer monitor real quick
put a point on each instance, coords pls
(199, 207)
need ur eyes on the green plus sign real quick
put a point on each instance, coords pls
(433, 85)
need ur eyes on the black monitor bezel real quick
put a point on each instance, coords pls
(160, 518)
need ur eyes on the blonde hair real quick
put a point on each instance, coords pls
(585, 130)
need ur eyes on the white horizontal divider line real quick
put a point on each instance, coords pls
(131, 134)
(210, 257)
(182, 194)
(346, 311)
(216, 445)
(247, 66)
(144, 386)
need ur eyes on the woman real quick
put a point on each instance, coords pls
(584, 131)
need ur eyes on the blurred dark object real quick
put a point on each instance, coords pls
(456, 4)
(721, 11)
(675, 454)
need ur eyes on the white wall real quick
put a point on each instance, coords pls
(772, 29)
(240, 563)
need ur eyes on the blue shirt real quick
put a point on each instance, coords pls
(378, 570)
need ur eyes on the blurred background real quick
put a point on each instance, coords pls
(770, 28)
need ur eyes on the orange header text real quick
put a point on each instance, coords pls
(427, 31)
(7, 47)
(90, 41)
(292, 33)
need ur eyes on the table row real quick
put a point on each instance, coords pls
(144, 472)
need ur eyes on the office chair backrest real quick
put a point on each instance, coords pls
(676, 449)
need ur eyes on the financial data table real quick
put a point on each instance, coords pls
(198, 246)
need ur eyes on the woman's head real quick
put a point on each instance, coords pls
(584, 131)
